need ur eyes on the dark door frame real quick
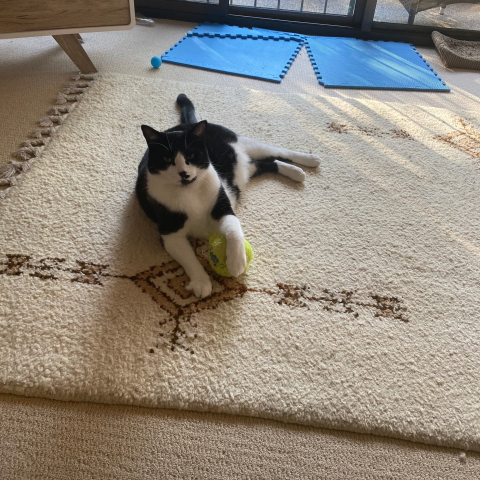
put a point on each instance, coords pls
(359, 25)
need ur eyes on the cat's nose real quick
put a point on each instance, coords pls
(184, 175)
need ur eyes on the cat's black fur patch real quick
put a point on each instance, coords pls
(222, 155)
(265, 165)
(222, 206)
(167, 220)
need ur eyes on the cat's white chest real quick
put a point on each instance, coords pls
(199, 221)
(195, 200)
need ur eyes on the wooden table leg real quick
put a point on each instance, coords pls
(71, 46)
(79, 37)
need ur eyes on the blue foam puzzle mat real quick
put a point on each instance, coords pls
(351, 63)
(249, 57)
(222, 31)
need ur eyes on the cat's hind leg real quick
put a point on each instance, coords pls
(266, 165)
(261, 151)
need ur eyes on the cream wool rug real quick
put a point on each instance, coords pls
(360, 311)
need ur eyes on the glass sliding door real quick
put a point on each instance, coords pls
(303, 13)
(457, 14)
(399, 20)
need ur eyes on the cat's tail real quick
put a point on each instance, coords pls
(187, 114)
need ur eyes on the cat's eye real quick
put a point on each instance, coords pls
(190, 156)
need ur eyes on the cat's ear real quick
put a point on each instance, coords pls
(200, 129)
(150, 134)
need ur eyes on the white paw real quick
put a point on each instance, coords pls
(307, 160)
(296, 173)
(236, 257)
(201, 287)
(291, 171)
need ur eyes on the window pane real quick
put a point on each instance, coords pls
(463, 14)
(243, 3)
(332, 7)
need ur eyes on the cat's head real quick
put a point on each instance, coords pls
(180, 156)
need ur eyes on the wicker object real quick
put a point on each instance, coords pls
(457, 53)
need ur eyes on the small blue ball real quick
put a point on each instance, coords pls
(156, 62)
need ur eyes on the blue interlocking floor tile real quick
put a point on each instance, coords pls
(256, 57)
(351, 63)
(222, 31)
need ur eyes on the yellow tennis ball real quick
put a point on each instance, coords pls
(217, 254)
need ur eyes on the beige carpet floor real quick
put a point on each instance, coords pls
(19, 107)
(46, 440)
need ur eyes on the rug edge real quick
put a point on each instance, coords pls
(32, 149)
(345, 426)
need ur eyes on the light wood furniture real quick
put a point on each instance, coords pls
(65, 20)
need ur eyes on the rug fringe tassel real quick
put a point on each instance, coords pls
(4, 193)
(26, 153)
(11, 170)
(84, 76)
(61, 110)
(49, 121)
(74, 90)
(65, 98)
(32, 149)
(36, 143)
(39, 132)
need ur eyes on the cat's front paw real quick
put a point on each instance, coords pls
(201, 287)
(236, 257)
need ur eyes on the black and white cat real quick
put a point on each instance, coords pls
(189, 181)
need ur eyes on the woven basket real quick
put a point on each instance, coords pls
(457, 53)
